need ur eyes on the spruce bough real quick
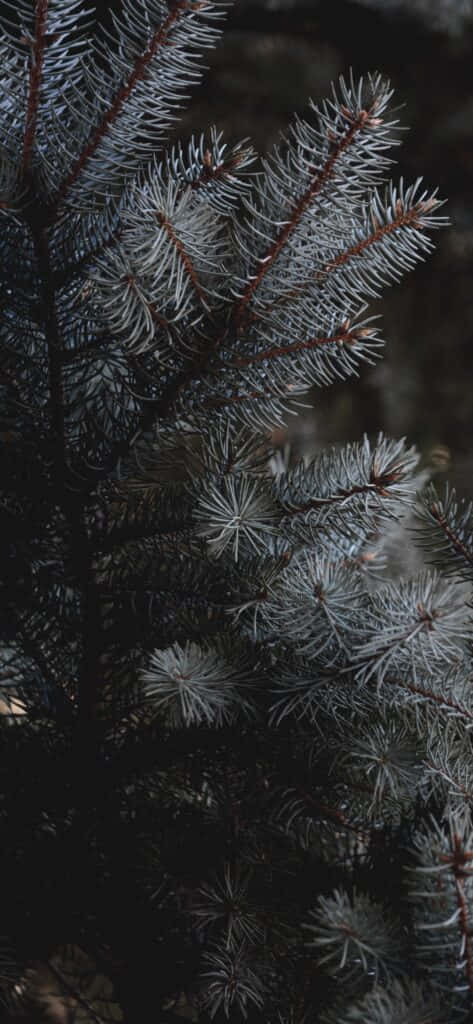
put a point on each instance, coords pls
(240, 783)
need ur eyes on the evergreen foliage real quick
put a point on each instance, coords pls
(240, 784)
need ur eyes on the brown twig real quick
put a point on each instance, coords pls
(36, 70)
(182, 255)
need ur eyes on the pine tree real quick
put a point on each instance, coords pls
(240, 783)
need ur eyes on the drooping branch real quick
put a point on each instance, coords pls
(345, 336)
(130, 534)
(334, 815)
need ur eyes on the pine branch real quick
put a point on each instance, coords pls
(413, 217)
(36, 70)
(406, 1001)
(347, 335)
(196, 625)
(440, 699)
(182, 28)
(420, 626)
(446, 532)
(448, 862)
(214, 174)
(386, 263)
(183, 256)
(357, 120)
(159, 39)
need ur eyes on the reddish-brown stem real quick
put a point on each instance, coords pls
(183, 255)
(158, 318)
(459, 859)
(198, 365)
(403, 218)
(161, 320)
(299, 209)
(36, 70)
(435, 698)
(376, 483)
(343, 494)
(158, 40)
(210, 173)
(342, 337)
(466, 793)
(454, 540)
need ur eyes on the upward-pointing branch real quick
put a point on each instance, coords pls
(36, 69)
(182, 255)
(451, 535)
(159, 39)
(410, 217)
(266, 261)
